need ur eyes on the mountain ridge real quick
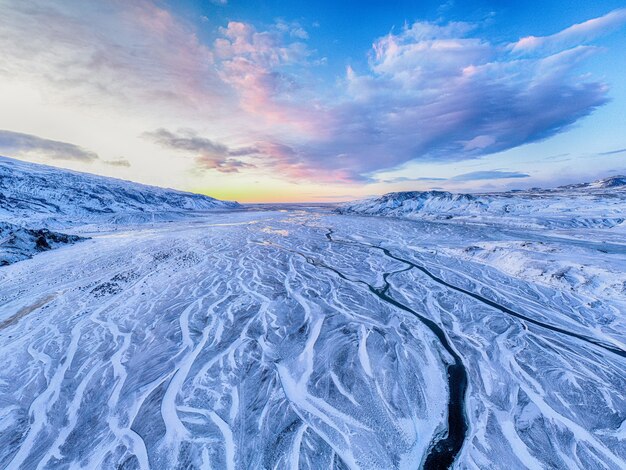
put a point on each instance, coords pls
(32, 193)
(599, 204)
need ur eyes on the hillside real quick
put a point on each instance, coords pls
(38, 195)
(38, 202)
(601, 204)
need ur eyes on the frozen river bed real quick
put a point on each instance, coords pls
(303, 339)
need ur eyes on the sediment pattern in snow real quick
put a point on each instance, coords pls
(302, 340)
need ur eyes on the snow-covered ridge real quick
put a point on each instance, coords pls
(38, 202)
(18, 243)
(601, 204)
(37, 195)
(605, 183)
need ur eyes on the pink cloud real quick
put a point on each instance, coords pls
(431, 93)
(132, 53)
(283, 159)
(257, 64)
(208, 154)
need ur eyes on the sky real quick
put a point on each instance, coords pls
(299, 101)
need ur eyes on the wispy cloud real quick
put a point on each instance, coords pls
(489, 175)
(472, 176)
(209, 155)
(613, 152)
(293, 28)
(120, 162)
(405, 179)
(18, 144)
(573, 35)
(136, 54)
(260, 66)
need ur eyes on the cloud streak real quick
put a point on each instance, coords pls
(18, 144)
(209, 155)
(405, 179)
(472, 176)
(489, 175)
(574, 35)
(120, 162)
(613, 152)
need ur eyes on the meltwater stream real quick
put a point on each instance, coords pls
(295, 347)
(444, 451)
(445, 448)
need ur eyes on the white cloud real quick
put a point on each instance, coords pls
(574, 35)
(130, 54)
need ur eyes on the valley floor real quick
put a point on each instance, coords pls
(302, 339)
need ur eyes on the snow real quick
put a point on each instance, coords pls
(40, 196)
(601, 204)
(570, 268)
(298, 337)
(42, 207)
(18, 243)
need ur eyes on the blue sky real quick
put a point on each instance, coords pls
(302, 101)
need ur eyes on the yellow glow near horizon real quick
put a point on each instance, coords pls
(275, 192)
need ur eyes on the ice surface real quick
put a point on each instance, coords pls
(302, 338)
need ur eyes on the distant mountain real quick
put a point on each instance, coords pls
(38, 195)
(413, 202)
(613, 181)
(606, 183)
(37, 200)
(601, 204)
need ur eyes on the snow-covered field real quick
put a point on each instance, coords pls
(296, 337)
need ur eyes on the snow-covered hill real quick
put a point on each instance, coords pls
(38, 202)
(41, 196)
(18, 243)
(601, 204)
